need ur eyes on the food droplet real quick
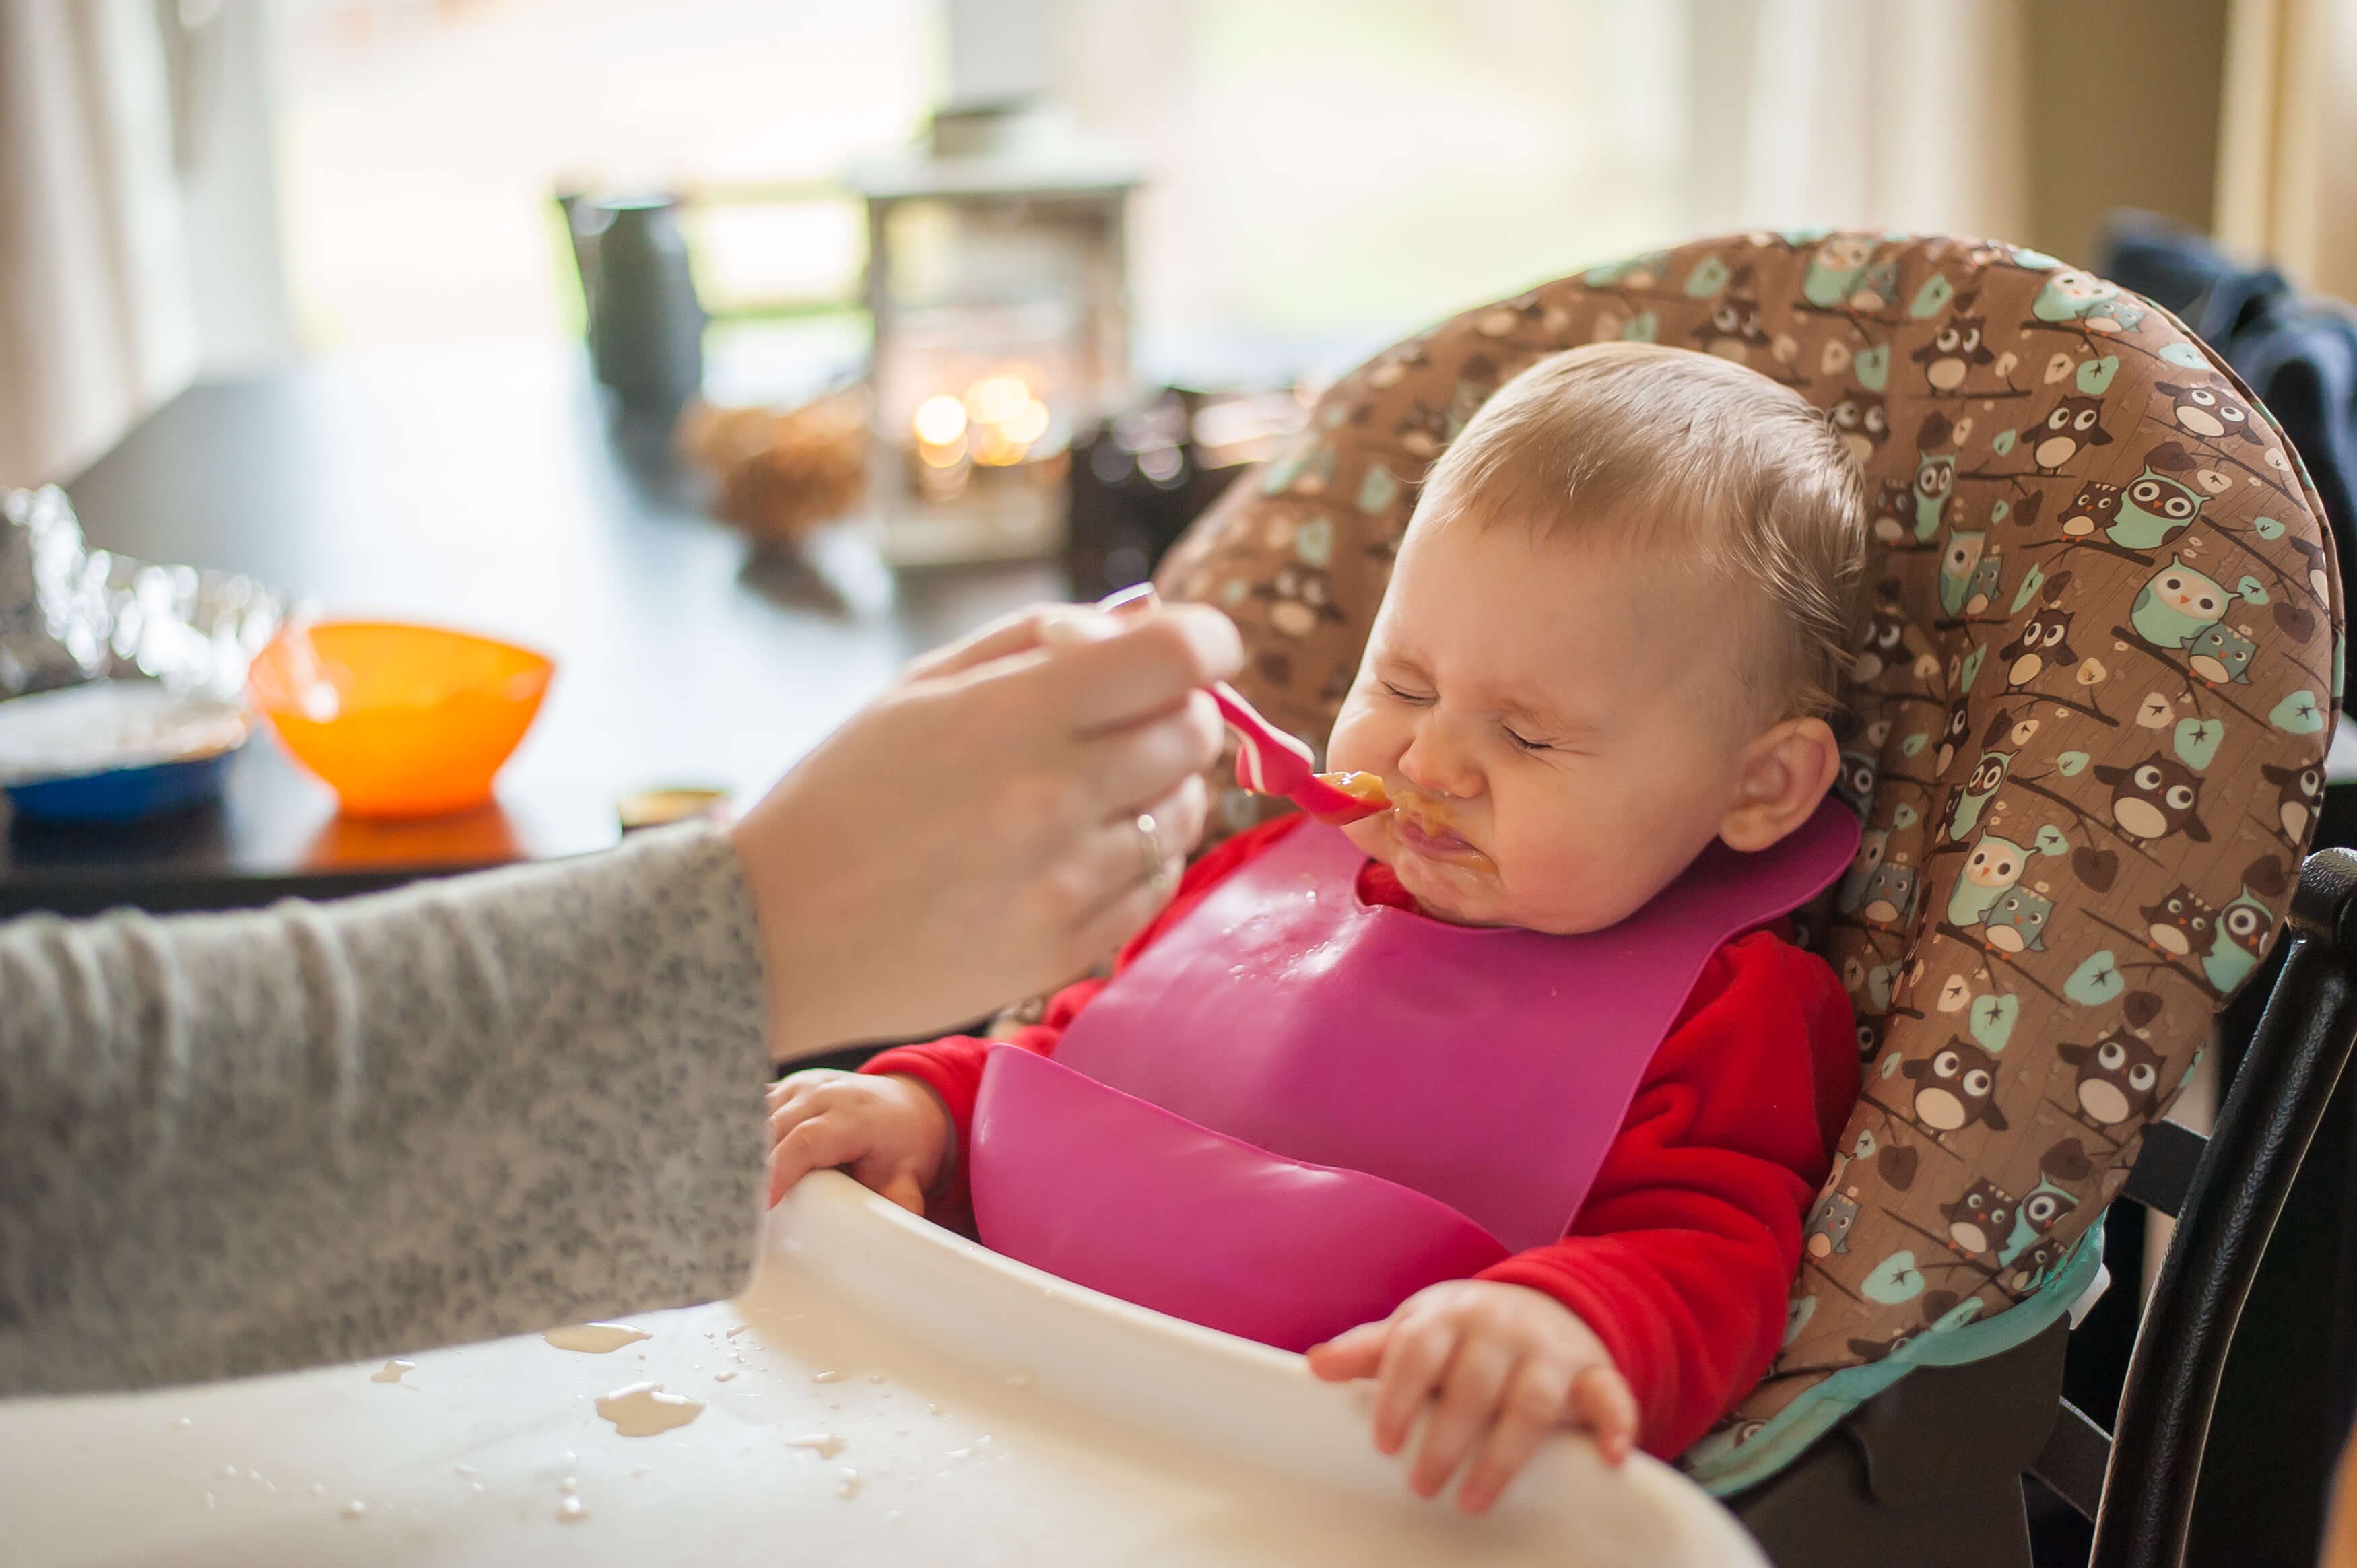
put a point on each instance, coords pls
(354, 1508)
(828, 1377)
(826, 1444)
(722, 1377)
(179, 1421)
(391, 1372)
(848, 1487)
(570, 1485)
(642, 1410)
(571, 1508)
(595, 1338)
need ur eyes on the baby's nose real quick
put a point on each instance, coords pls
(1437, 769)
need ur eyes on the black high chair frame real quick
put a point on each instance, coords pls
(1929, 1473)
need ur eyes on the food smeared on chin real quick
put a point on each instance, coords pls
(1427, 827)
(1363, 788)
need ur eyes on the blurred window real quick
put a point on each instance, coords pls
(1324, 174)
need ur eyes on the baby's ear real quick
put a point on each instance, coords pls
(1779, 777)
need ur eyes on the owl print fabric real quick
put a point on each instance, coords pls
(2098, 668)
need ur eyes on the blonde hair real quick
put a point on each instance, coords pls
(1740, 470)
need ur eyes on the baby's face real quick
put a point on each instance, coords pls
(1559, 723)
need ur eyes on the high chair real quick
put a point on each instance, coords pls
(2099, 666)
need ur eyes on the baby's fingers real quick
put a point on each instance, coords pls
(1601, 1402)
(1534, 1405)
(1467, 1409)
(1412, 1360)
(822, 1142)
(1354, 1353)
(903, 1188)
(794, 1086)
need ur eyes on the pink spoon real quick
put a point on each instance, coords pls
(1271, 762)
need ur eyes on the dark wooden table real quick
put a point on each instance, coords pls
(482, 486)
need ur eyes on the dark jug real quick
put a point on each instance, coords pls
(646, 327)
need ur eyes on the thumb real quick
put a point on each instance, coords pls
(1601, 1402)
(903, 1188)
(1354, 1353)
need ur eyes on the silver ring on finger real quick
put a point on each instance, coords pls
(1149, 847)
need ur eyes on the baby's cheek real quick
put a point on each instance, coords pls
(1555, 879)
(1372, 838)
(1360, 742)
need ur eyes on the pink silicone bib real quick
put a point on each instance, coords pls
(1296, 1108)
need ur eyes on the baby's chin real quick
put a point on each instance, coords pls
(1462, 895)
(1467, 897)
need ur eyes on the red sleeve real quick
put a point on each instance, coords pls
(1683, 1255)
(951, 1068)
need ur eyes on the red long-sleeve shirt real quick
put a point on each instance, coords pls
(1682, 1254)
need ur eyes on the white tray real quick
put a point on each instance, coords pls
(988, 1414)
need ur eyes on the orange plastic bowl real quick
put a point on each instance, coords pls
(401, 721)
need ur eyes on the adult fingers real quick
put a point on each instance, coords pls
(1353, 1353)
(1130, 603)
(1533, 1404)
(1601, 1402)
(1140, 671)
(1032, 626)
(1413, 1360)
(1117, 853)
(1129, 769)
(1470, 1393)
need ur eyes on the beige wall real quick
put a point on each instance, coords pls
(2123, 104)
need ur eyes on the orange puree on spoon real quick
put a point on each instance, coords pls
(1363, 788)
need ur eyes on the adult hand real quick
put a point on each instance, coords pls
(1504, 1365)
(972, 835)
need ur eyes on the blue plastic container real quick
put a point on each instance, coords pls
(123, 794)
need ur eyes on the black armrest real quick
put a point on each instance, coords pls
(2163, 1173)
(2238, 1191)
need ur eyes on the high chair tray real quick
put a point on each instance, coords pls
(984, 1412)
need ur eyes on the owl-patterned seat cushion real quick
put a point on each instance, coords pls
(2098, 671)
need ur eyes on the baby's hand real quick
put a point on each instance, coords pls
(889, 1133)
(1508, 1366)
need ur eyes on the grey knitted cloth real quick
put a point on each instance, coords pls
(234, 1143)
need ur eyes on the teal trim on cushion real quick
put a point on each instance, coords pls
(1725, 1470)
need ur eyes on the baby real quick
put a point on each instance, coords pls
(1616, 622)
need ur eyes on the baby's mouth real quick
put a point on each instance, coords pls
(1425, 829)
